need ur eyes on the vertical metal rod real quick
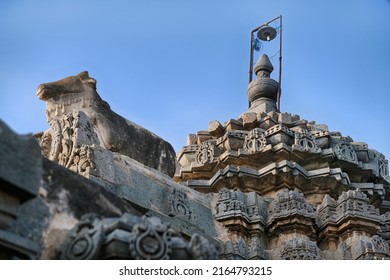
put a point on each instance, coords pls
(251, 58)
(250, 63)
(280, 64)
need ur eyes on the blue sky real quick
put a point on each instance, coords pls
(173, 66)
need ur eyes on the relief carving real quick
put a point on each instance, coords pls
(69, 142)
(299, 248)
(306, 142)
(84, 240)
(132, 237)
(206, 152)
(345, 151)
(234, 204)
(289, 202)
(383, 165)
(178, 204)
(150, 242)
(255, 141)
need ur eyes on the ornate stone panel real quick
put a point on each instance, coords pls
(345, 151)
(234, 204)
(383, 166)
(131, 237)
(70, 141)
(306, 142)
(349, 206)
(206, 152)
(299, 248)
(255, 141)
(287, 203)
(241, 250)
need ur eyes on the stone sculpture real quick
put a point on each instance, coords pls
(66, 98)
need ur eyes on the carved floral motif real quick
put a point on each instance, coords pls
(255, 141)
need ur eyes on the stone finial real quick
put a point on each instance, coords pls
(262, 92)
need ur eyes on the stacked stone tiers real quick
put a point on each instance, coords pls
(294, 188)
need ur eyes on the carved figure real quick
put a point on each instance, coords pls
(78, 93)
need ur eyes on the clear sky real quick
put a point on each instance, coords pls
(173, 66)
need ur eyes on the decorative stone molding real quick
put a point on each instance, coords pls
(351, 205)
(385, 227)
(278, 128)
(374, 248)
(289, 203)
(233, 204)
(240, 250)
(300, 248)
(131, 237)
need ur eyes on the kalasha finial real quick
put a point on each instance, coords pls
(263, 91)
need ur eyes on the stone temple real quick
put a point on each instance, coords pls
(267, 185)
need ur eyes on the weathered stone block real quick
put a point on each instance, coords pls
(233, 124)
(216, 129)
(202, 136)
(249, 120)
(191, 139)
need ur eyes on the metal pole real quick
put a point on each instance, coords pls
(251, 58)
(280, 65)
(250, 63)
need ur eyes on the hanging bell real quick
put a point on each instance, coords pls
(266, 33)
